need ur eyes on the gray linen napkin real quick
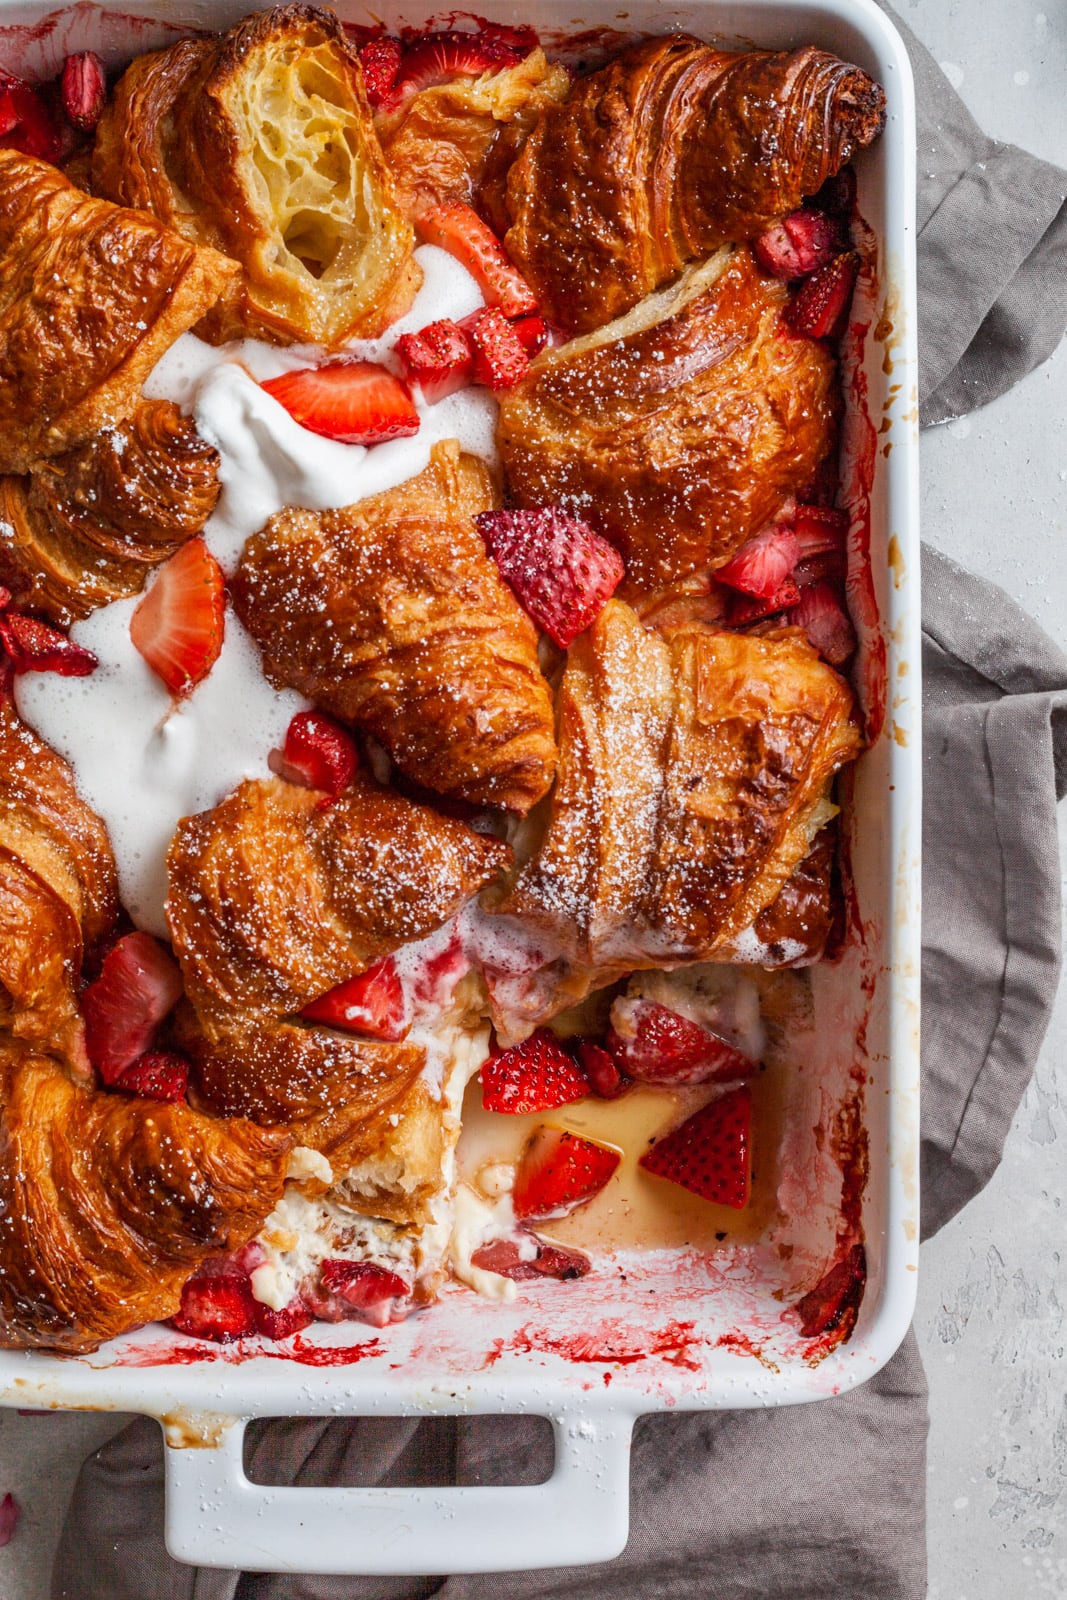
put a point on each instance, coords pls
(830, 1498)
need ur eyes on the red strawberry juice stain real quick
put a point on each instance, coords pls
(303, 1351)
(612, 1343)
(743, 1344)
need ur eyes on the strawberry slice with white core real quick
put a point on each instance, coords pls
(372, 1003)
(819, 309)
(507, 1257)
(535, 1075)
(178, 626)
(656, 1045)
(438, 358)
(561, 572)
(439, 57)
(798, 245)
(219, 1307)
(763, 563)
(710, 1154)
(558, 1172)
(499, 355)
(354, 402)
(139, 984)
(318, 754)
(825, 621)
(371, 1291)
(33, 646)
(459, 229)
(83, 90)
(159, 1075)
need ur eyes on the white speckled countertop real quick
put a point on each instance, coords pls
(994, 1283)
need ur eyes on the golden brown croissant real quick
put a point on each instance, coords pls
(261, 143)
(793, 930)
(87, 527)
(679, 430)
(109, 1202)
(90, 298)
(669, 151)
(391, 615)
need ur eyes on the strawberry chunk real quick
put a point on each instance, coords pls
(33, 646)
(27, 120)
(505, 1256)
(500, 359)
(438, 358)
(656, 1045)
(159, 1075)
(798, 245)
(217, 1307)
(379, 60)
(459, 229)
(292, 1318)
(533, 333)
(532, 1076)
(820, 613)
(318, 754)
(835, 1300)
(561, 572)
(820, 307)
(710, 1154)
(820, 530)
(558, 1172)
(179, 624)
(601, 1068)
(439, 57)
(139, 984)
(83, 90)
(742, 609)
(763, 562)
(373, 1002)
(371, 1291)
(354, 402)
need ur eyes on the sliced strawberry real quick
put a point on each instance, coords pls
(34, 130)
(83, 90)
(656, 1045)
(500, 359)
(710, 1154)
(532, 1076)
(558, 1172)
(505, 1256)
(373, 1002)
(35, 647)
(380, 61)
(763, 562)
(798, 245)
(438, 57)
(602, 1070)
(159, 1075)
(318, 754)
(178, 626)
(820, 529)
(820, 613)
(838, 194)
(819, 309)
(562, 573)
(457, 228)
(533, 332)
(742, 609)
(438, 358)
(138, 985)
(355, 402)
(217, 1307)
(292, 1318)
(368, 1289)
(835, 1300)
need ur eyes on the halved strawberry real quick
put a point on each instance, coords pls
(31, 125)
(370, 1290)
(380, 62)
(178, 626)
(820, 613)
(819, 309)
(217, 1307)
(438, 57)
(561, 572)
(35, 647)
(763, 562)
(532, 1076)
(355, 402)
(505, 1256)
(83, 90)
(742, 609)
(318, 754)
(459, 229)
(533, 332)
(602, 1070)
(834, 1302)
(656, 1045)
(139, 983)
(500, 359)
(292, 1318)
(798, 244)
(710, 1154)
(438, 358)
(558, 1172)
(159, 1075)
(372, 1002)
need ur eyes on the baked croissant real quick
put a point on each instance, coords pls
(261, 143)
(91, 296)
(679, 430)
(86, 527)
(794, 929)
(391, 615)
(671, 150)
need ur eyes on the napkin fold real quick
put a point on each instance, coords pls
(823, 1499)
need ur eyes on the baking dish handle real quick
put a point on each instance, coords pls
(216, 1517)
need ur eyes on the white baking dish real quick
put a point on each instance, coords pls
(681, 1331)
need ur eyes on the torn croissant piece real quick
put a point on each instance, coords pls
(109, 1202)
(671, 150)
(794, 929)
(456, 140)
(91, 296)
(261, 143)
(693, 779)
(679, 430)
(391, 615)
(86, 527)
